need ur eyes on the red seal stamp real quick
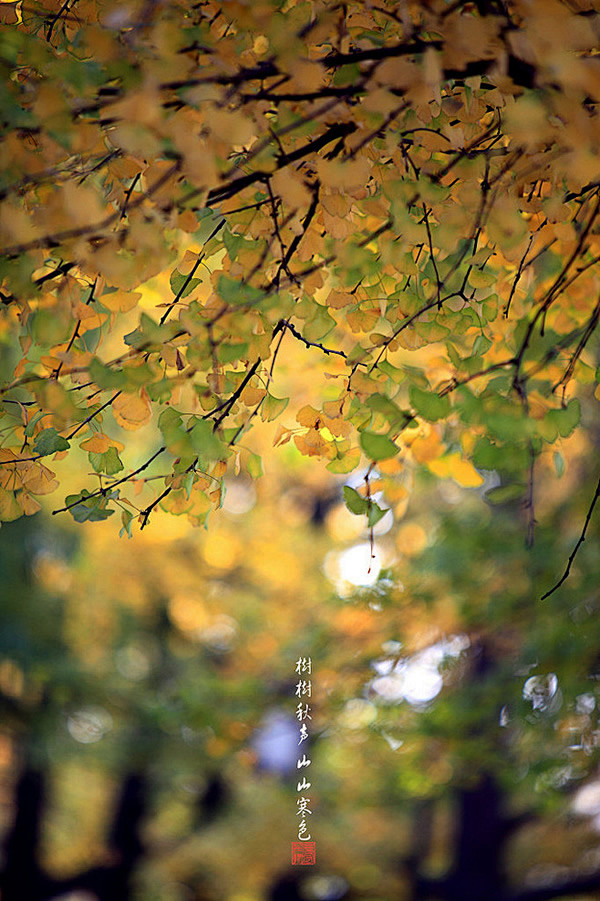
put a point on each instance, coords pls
(304, 853)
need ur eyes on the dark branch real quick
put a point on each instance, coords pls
(580, 541)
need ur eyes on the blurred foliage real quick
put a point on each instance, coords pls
(171, 654)
(322, 281)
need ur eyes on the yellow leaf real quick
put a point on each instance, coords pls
(120, 301)
(314, 445)
(462, 471)
(9, 506)
(10, 476)
(29, 505)
(282, 436)
(233, 127)
(252, 396)
(89, 317)
(132, 411)
(189, 261)
(97, 444)
(306, 74)
(333, 408)
(426, 447)
(336, 426)
(362, 320)
(291, 188)
(39, 479)
(339, 299)
(344, 176)
(308, 417)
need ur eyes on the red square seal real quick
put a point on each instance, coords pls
(304, 853)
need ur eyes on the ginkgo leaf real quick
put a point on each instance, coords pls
(354, 501)
(205, 442)
(49, 441)
(108, 462)
(307, 416)
(97, 444)
(461, 470)
(345, 462)
(377, 447)
(428, 404)
(132, 411)
(10, 508)
(273, 407)
(28, 504)
(38, 479)
(120, 301)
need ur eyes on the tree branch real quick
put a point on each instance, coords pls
(580, 541)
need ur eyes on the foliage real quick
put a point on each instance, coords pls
(166, 660)
(411, 195)
(365, 233)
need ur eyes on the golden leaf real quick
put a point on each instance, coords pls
(28, 504)
(132, 411)
(344, 176)
(454, 466)
(306, 75)
(291, 188)
(308, 417)
(120, 301)
(9, 506)
(252, 396)
(38, 479)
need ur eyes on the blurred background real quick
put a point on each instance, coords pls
(148, 739)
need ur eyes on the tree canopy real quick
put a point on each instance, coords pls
(409, 192)
(236, 237)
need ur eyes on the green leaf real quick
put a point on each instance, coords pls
(49, 442)
(150, 333)
(109, 462)
(208, 223)
(559, 463)
(182, 285)
(375, 513)
(509, 458)
(428, 404)
(105, 377)
(91, 339)
(378, 447)
(505, 493)
(29, 428)
(232, 243)
(126, 519)
(319, 324)
(229, 353)
(254, 466)
(236, 293)
(205, 442)
(272, 407)
(354, 501)
(49, 327)
(345, 462)
(90, 509)
(176, 438)
(566, 419)
(188, 483)
(379, 403)
(393, 372)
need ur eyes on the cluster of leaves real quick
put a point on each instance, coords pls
(410, 193)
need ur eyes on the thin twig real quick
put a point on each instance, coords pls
(580, 541)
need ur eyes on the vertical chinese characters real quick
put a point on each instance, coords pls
(303, 854)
